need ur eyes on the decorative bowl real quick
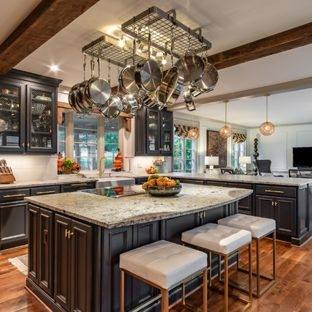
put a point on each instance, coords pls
(165, 192)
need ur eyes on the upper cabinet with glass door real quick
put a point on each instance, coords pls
(28, 109)
(41, 122)
(12, 116)
(153, 132)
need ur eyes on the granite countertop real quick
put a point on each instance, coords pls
(61, 180)
(142, 208)
(244, 178)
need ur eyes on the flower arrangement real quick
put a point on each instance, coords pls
(67, 166)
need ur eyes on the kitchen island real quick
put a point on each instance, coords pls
(75, 240)
(287, 200)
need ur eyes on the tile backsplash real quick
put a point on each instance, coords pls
(32, 167)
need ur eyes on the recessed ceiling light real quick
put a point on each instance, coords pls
(54, 68)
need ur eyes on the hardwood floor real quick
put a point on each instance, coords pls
(291, 293)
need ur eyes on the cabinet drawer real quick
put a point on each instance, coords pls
(217, 183)
(241, 185)
(73, 187)
(271, 190)
(44, 190)
(14, 194)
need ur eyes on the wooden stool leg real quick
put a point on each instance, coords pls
(205, 291)
(250, 271)
(258, 266)
(210, 269)
(122, 291)
(164, 300)
(226, 283)
(274, 255)
(220, 268)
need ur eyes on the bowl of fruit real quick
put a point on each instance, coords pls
(151, 170)
(162, 186)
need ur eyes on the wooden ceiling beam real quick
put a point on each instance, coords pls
(286, 40)
(46, 20)
(278, 88)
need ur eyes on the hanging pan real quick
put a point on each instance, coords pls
(169, 80)
(97, 90)
(148, 74)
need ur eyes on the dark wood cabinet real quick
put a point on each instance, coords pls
(12, 114)
(45, 250)
(33, 252)
(13, 224)
(28, 110)
(153, 132)
(73, 266)
(285, 213)
(41, 119)
(62, 262)
(282, 209)
(81, 266)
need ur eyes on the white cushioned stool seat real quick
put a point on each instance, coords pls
(218, 238)
(163, 263)
(258, 226)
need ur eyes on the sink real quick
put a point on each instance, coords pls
(114, 182)
(115, 192)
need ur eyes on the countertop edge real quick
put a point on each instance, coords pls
(32, 200)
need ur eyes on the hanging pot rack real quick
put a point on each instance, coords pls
(160, 24)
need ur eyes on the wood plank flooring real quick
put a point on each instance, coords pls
(291, 293)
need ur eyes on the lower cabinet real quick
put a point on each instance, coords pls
(13, 224)
(73, 267)
(60, 253)
(282, 209)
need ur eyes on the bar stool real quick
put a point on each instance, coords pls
(223, 241)
(259, 228)
(164, 265)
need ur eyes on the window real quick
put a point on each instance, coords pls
(85, 141)
(184, 154)
(238, 149)
(111, 137)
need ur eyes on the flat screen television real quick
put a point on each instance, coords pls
(302, 157)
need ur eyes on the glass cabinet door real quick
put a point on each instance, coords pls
(12, 117)
(166, 133)
(41, 116)
(152, 131)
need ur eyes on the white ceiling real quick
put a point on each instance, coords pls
(286, 108)
(13, 12)
(226, 24)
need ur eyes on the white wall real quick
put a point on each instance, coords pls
(32, 167)
(278, 147)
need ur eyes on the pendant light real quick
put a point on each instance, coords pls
(193, 132)
(267, 128)
(225, 131)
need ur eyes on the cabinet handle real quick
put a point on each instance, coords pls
(14, 195)
(276, 203)
(274, 191)
(67, 232)
(45, 236)
(79, 184)
(45, 192)
(70, 234)
(272, 203)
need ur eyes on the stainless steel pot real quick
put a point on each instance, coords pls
(190, 67)
(148, 75)
(129, 104)
(97, 90)
(168, 85)
(209, 78)
(113, 107)
(127, 80)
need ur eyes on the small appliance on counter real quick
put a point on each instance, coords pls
(6, 173)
